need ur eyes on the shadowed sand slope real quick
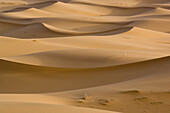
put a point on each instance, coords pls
(21, 78)
(84, 56)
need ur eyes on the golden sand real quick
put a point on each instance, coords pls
(84, 56)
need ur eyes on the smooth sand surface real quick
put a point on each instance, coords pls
(84, 56)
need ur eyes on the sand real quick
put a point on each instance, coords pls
(84, 56)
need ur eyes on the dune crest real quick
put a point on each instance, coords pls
(84, 56)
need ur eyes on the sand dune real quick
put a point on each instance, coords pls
(50, 79)
(14, 107)
(84, 56)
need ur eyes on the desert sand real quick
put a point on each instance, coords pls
(84, 56)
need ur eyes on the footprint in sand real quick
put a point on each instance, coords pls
(156, 103)
(131, 92)
(104, 101)
(35, 40)
(84, 99)
(141, 98)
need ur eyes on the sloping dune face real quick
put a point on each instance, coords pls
(111, 55)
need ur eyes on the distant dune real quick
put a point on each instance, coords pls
(84, 56)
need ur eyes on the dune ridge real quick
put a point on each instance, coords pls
(84, 56)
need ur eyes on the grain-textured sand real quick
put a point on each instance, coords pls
(84, 56)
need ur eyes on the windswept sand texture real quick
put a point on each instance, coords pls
(84, 56)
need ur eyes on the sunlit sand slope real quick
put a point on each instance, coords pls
(84, 56)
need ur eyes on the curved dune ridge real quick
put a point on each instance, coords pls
(84, 56)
